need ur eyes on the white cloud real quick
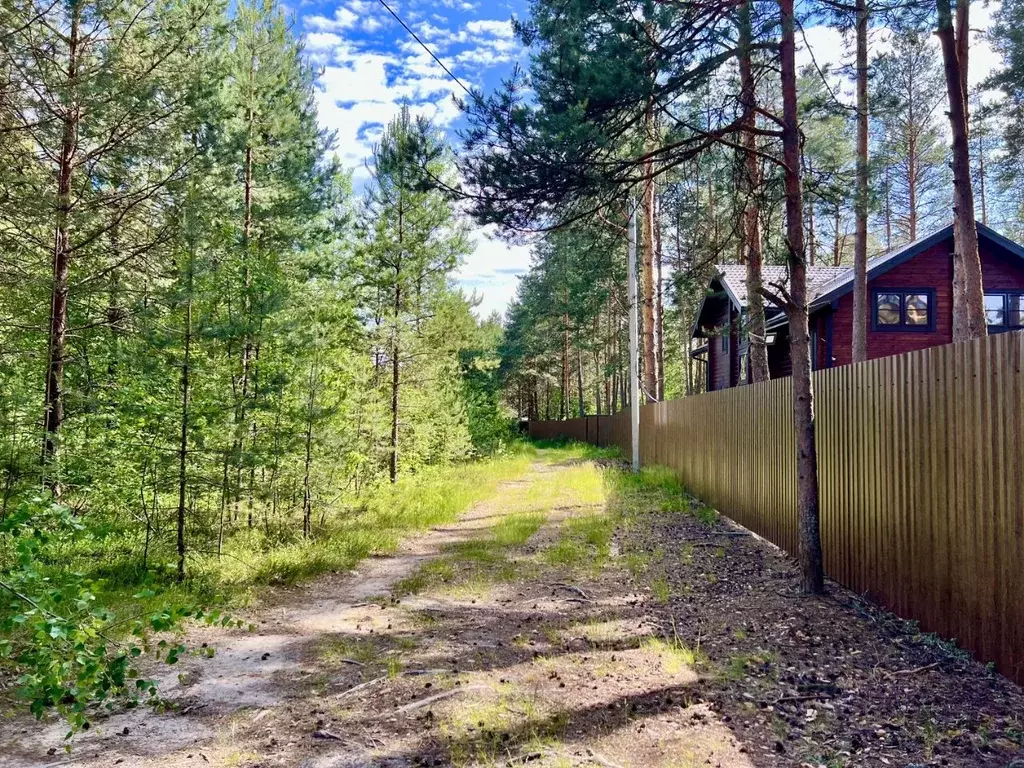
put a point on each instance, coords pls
(827, 46)
(343, 19)
(492, 270)
(365, 80)
(321, 41)
(489, 27)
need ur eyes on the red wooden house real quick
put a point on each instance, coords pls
(909, 301)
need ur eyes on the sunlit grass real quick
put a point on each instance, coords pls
(583, 541)
(375, 526)
(675, 657)
(479, 731)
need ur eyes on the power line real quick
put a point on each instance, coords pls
(424, 46)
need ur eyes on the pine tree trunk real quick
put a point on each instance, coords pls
(912, 179)
(751, 185)
(660, 309)
(888, 209)
(968, 292)
(183, 441)
(307, 489)
(579, 380)
(563, 409)
(860, 249)
(647, 270)
(981, 179)
(395, 382)
(837, 251)
(812, 580)
(53, 411)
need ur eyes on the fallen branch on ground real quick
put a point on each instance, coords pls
(914, 671)
(571, 588)
(360, 687)
(412, 707)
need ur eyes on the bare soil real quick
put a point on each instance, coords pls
(688, 645)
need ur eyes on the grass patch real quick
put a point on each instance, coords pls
(661, 590)
(675, 657)
(439, 571)
(583, 541)
(741, 665)
(483, 731)
(558, 451)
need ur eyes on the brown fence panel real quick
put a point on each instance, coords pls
(921, 475)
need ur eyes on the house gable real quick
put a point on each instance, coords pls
(927, 267)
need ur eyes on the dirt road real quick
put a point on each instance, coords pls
(574, 619)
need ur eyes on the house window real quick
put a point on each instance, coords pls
(910, 310)
(725, 341)
(1004, 310)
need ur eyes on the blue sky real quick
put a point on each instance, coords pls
(370, 65)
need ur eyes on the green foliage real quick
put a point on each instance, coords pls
(72, 653)
(224, 400)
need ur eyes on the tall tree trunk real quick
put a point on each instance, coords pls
(968, 292)
(813, 579)
(183, 439)
(751, 185)
(837, 247)
(659, 308)
(981, 179)
(888, 208)
(563, 410)
(812, 243)
(579, 379)
(53, 409)
(395, 380)
(860, 248)
(912, 172)
(307, 486)
(647, 267)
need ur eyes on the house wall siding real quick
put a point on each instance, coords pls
(778, 356)
(719, 361)
(932, 269)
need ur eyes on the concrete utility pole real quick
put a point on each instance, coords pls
(634, 350)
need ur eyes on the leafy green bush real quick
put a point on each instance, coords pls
(70, 652)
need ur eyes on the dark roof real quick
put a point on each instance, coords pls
(733, 278)
(826, 284)
(879, 265)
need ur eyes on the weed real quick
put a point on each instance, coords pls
(742, 664)
(686, 554)
(427, 575)
(336, 650)
(675, 656)
(706, 515)
(394, 666)
(481, 731)
(637, 563)
(661, 589)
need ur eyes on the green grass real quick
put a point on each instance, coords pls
(482, 730)
(660, 589)
(558, 451)
(583, 541)
(676, 657)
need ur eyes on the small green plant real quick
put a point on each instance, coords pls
(686, 554)
(661, 590)
(675, 656)
(706, 515)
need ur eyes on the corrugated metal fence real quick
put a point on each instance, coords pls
(921, 471)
